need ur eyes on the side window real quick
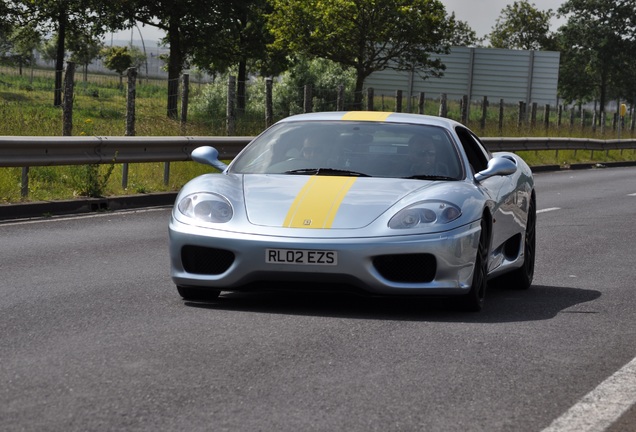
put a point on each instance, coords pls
(477, 155)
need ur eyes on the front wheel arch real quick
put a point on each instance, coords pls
(473, 301)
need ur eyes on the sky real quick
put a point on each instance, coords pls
(479, 14)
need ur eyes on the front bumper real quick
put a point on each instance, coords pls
(453, 251)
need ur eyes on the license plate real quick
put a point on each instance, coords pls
(298, 256)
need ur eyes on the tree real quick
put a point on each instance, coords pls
(600, 37)
(366, 35)
(240, 40)
(89, 17)
(117, 59)
(84, 49)
(6, 21)
(183, 21)
(24, 40)
(461, 34)
(521, 26)
(213, 35)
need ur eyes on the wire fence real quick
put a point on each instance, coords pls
(218, 106)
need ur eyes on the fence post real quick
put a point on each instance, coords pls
(421, 103)
(546, 116)
(465, 109)
(398, 101)
(185, 96)
(131, 74)
(340, 98)
(533, 114)
(594, 121)
(308, 99)
(269, 102)
(521, 115)
(559, 116)
(484, 112)
(131, 94)
(67, 111)
(443, 107)
(230, 114)
(501, 115)
(603, 123)
(173, 97)
(571, 117)
(582, 118)
(370, 97)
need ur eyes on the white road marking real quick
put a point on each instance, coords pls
(84, 216)
(548, 209)
(601, 407)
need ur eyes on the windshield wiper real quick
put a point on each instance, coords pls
(328, 171)
(430, 177)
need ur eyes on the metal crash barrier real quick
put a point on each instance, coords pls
(25, 152)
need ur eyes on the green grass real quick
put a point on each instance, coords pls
(26, 109)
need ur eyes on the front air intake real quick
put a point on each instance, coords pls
(203, 260)
(408, 268)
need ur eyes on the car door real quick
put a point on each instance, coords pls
(496, 188)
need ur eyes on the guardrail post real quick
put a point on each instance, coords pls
(24, 190)
(166, 173)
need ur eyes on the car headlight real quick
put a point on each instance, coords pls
(425, 213)
(206, 207)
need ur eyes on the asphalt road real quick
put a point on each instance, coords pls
(94, 336)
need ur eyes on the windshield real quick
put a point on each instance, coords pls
(352, 148)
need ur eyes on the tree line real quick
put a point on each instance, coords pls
(269, 37)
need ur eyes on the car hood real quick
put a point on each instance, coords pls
(322, 202)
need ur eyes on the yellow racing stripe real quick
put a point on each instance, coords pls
(366, 115)
(318, 202)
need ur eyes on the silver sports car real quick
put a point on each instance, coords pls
(375, 202)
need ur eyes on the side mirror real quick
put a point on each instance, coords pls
(497, 166)
(208, 156)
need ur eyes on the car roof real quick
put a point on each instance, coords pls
(374, 116)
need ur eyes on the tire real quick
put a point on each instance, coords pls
(198, 294)
(474, 300)
(521, 278)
